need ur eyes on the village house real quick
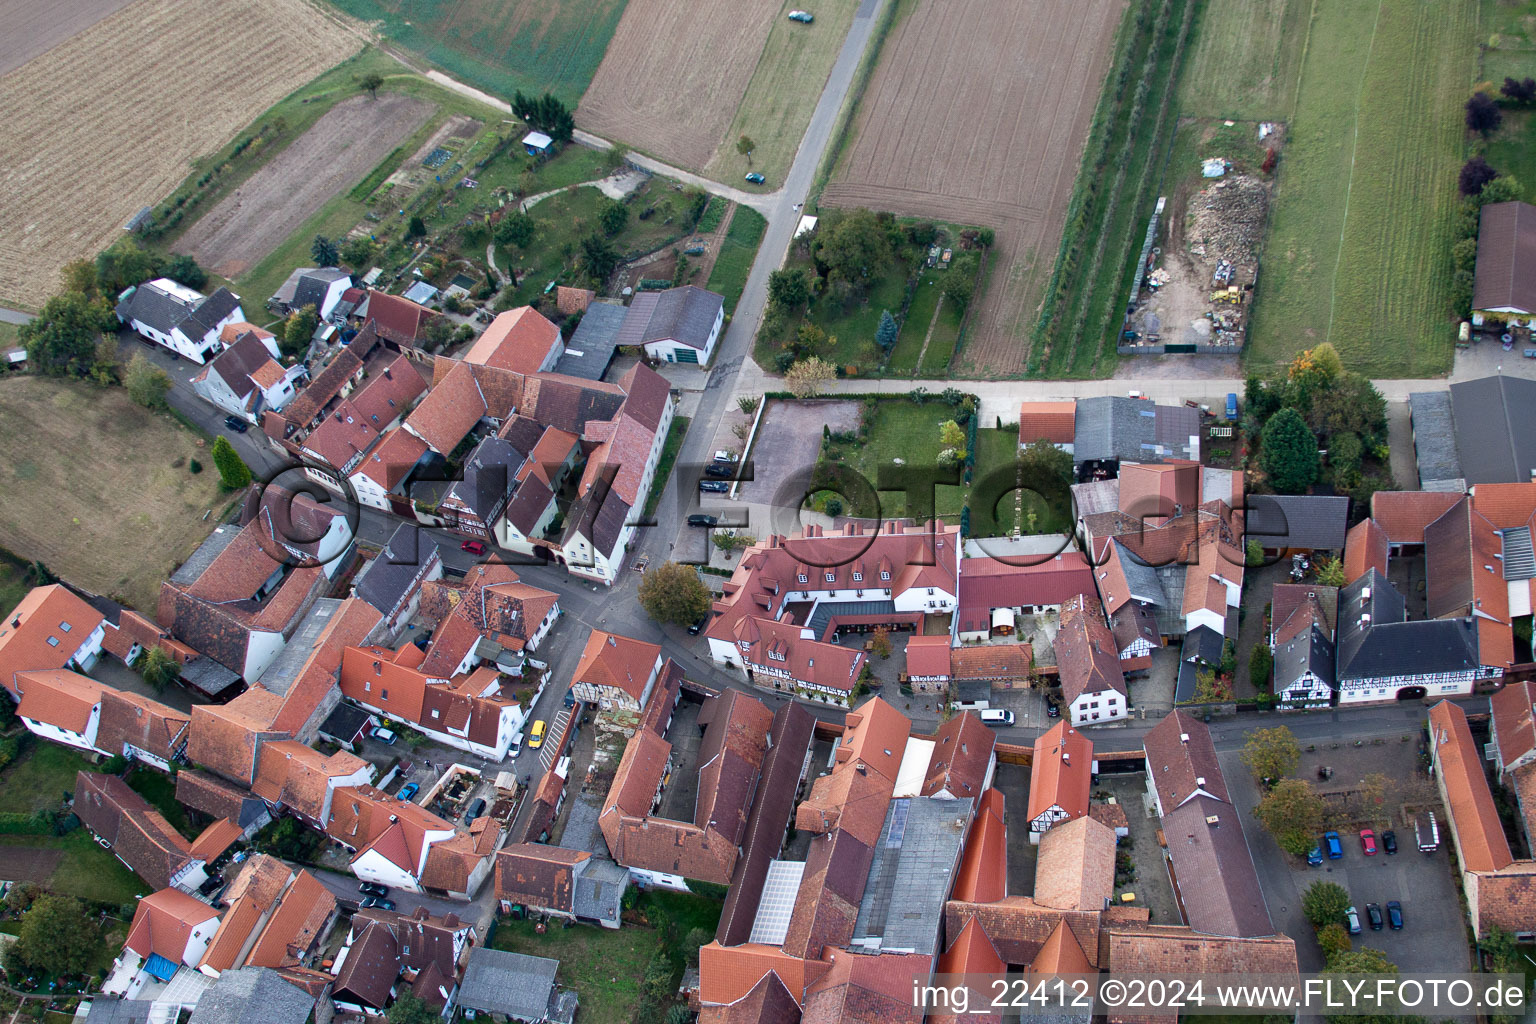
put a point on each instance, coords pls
(1383, 656)
(570, 884)
(386, 953)
(616, 672)
(321, 287)
(137, 834)
(1088, 665)
(522, 340)
(246, 378)
(1302, 617)
(1060, 777)
(170, 930)
(180, 318)
(392, 580)
(995, 594)
(51, 628)
(677, 325)
(141, 729)
(60, 706)
(1051, 422)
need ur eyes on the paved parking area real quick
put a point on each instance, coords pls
(1152, 692)
(1151, 885)
(1013, 781)
(784, 455)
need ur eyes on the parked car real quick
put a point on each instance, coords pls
(373, 889)
(1368, 842)
(474, 547)
(536, 737)
(726, 455)
(408, 791)
(720, 469)
(1389, 841)
(698, 519)
(377, 903)
(698, 626)
(803, 17)
(755, 178)
(1315, 856)
(996, 716)
(1332, 845)
(475, 810)
(236, 424)
(715, 486)
(570, 698)
(1373, 912)
(384, 735)
(1052, 711)
(1395, 915)
(1353, 917)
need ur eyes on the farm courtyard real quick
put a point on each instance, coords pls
(138, 112)
(101, 489)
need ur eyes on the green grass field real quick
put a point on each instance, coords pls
(669, 450)
(40, 778)
(777, 106)
(86, 871)
(909, 343)
(501, 47)
(1363, 212)
(737, 252)
(1245, 59)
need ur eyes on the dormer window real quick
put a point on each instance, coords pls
(53, 641)
(858, 577)
(803, 578)
(831, 576)
(885, 574)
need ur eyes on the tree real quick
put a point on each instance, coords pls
(124, 264)
(80, 276)
(1288, 452)
(183, 269)
(788, 289)
(885, 334)
(147, 384)
(952, 435)
(598, 256)
(158, 668)
(855, 247)
(358, 252)
(1364, 960)
(370, 83)
(62, 340)
(1475, 173)
(1291, 813)
(695, 201)
(1333, 939)
(1330, 572)
(960, 282)
(299, 331)
(232, 469)
(1503, 189)
(1373, 793)
(811, 340)
(1271, 754)
(408, 1009)
(1044, 467)
(323, 251)
(613, 217)
(748, 403)
(881, 643)
(104, 360)
(804, 379)
(1253, 554)
(515, 229)
(415, 227)
(547, 114)
(59, 936)
(745, 146)
(679, 1014)
(1519, 90)
(1260, 664)
(694, 941)
(674, 593)
(1483, 114)
(1324, 903)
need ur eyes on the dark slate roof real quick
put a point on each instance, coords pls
(387, 578)
(1202, 648)
(1495, 428)
(637, 318)
(152, 306)
(345, 722)
(1384, 644)
(106, 1010)
(1173, 425)
(684, 315)
(487, 477)
(313, 284)
(1314, 521)
(1434, 436)
(599, 889)
(221, 538)
(237, 362)
(1143, 580)
(826, 610)
(1217, 880)
(599, 523)
(569, 404)
(216, 307)
(1308, 651)
(1109, 427)
(591, 348)
(508, 983)
(253, 995)
(1506, 258)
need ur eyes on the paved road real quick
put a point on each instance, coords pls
(344, 887)
(15, 316)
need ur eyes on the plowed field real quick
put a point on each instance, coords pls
(977, 114)
(675, 73)
(109, 120)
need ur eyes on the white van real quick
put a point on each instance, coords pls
(997, 716)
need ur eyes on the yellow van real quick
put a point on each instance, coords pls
(536, 738)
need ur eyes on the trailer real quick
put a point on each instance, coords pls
(1427, 831)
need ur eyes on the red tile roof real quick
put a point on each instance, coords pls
(215, 839)
(1006, 662)
(1514, 721)
(1061, 954)
(779, 647)
(928, 656)
(1180, 952)
(861, 988)
(388, 393)
(32, 636)
(520, 339)
(1475, 821)
(128, 718)
(396, 318)
(163, 923)
(293, 929)
(988, 583)
(1076, 866)
(254, 891)
(1061, 772)
(1050, 421)
(1365, 547)
(450, 410)
(299, 777)
(1181, 760)
(342, 436)
(961, 758)
(224, 738)
(393, 457)
(876, 734)
(982, 876)
(537, 875)
(728, 973)
(1087, 660)
(1402, 515)
(617, 661)
(58, 697)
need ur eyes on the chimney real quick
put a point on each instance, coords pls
(387, 374)
(1066, 757)
(1183, 737)
(612, 641)
(1200, 781)
(393, 818)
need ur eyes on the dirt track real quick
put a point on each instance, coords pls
(30, 29)
(110, 120)
(335, 153)
(675, 73)
(977, 114)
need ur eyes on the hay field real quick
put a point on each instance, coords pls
(90, 487)
(675, 73)
(109, 121)
(977, 113)
(30, 29)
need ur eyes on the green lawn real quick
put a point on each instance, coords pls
(777, 106)
(998, 506)
(942, 342)
(605, 966)
(852, 325)
(909, 343)
(669, 450)
(160, 790)
(502, 46)
(898, 428)
(517, 172)
(1513, 149)
(40, 778)
(1244, 60)
(737, 253)
(86, 871)
(1365, 203)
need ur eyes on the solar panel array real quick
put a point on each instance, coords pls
(771, 924)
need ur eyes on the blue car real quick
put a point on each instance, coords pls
(1335, 848)
(1315, 856)
(408, 791)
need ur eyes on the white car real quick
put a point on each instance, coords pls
(803, 17)
(384, 735)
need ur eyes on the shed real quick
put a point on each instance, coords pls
(421, 293)
(537, 143)
(518, 986)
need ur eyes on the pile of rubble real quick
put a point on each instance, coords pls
(1226, 220)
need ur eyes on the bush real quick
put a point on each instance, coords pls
(194, 467)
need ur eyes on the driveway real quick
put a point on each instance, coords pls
(784, 455)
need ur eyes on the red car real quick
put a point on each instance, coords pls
(474, 547)
(1368, 842)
